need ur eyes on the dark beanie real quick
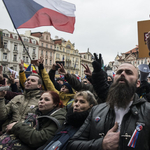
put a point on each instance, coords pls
(69, 87)
(60, 79)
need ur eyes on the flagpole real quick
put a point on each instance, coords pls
(17, 31)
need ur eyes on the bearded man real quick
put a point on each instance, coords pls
(122, 123)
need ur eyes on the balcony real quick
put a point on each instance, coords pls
(5, 60)
(15, 51)
(33, 55)
(14, 60)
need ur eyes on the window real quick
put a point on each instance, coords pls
(46, 53)
(63, 58)
(76, 65)
(50, 53)
(24, 58)
(41, 44)
(15, 68)
(41, 52)
(68, 51)
(51, 46)
(26, 40)
(46, 37)
(68, 58)
(46, 62)
(33, 50)
(27, 59)
(63, 49)
(50, 62)
(57, 48)
(68, 46)
(5, 44)
(24, 49)
(15, 58)
(16, 37)
(4, 56)
(47, 45)
(15, 47)
(57, 56)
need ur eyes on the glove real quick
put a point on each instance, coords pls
(97, 63)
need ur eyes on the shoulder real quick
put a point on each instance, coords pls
(99, 108)
(61, 112)
(17, 98)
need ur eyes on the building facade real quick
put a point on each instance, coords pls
(46, 47)
(65, 51)
(13, 51)
(131, 57)
(86, 59)
(40, 44)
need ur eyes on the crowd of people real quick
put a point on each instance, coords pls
(100, 112)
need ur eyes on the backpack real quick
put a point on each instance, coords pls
(60, 140)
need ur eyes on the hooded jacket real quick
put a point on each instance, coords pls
(102, 118)
(46, 129)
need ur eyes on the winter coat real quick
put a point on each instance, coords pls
(102, 118)
(46, 128)
(64, 97)
(19, 107)
(71, 126)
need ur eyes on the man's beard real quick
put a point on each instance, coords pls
(120, 94)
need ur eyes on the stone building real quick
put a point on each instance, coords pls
(46, 47)
(13, 51)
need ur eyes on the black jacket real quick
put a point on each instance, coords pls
(92, 132)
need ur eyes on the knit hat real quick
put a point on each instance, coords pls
(69, 87)
(60, 79)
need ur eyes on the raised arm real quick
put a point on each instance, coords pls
(99, 78)
(22, 76)
(45, 77)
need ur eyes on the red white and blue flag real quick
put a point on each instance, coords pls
(36, 13)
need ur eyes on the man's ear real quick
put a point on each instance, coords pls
(138, 83)
(39, 86)
(91, 105)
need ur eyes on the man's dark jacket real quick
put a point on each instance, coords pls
(102, 118)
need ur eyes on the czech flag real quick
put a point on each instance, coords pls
(36, 13)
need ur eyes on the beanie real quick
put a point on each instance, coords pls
(69, 87)
(60, 79)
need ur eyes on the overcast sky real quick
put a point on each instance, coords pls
(108, 27)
